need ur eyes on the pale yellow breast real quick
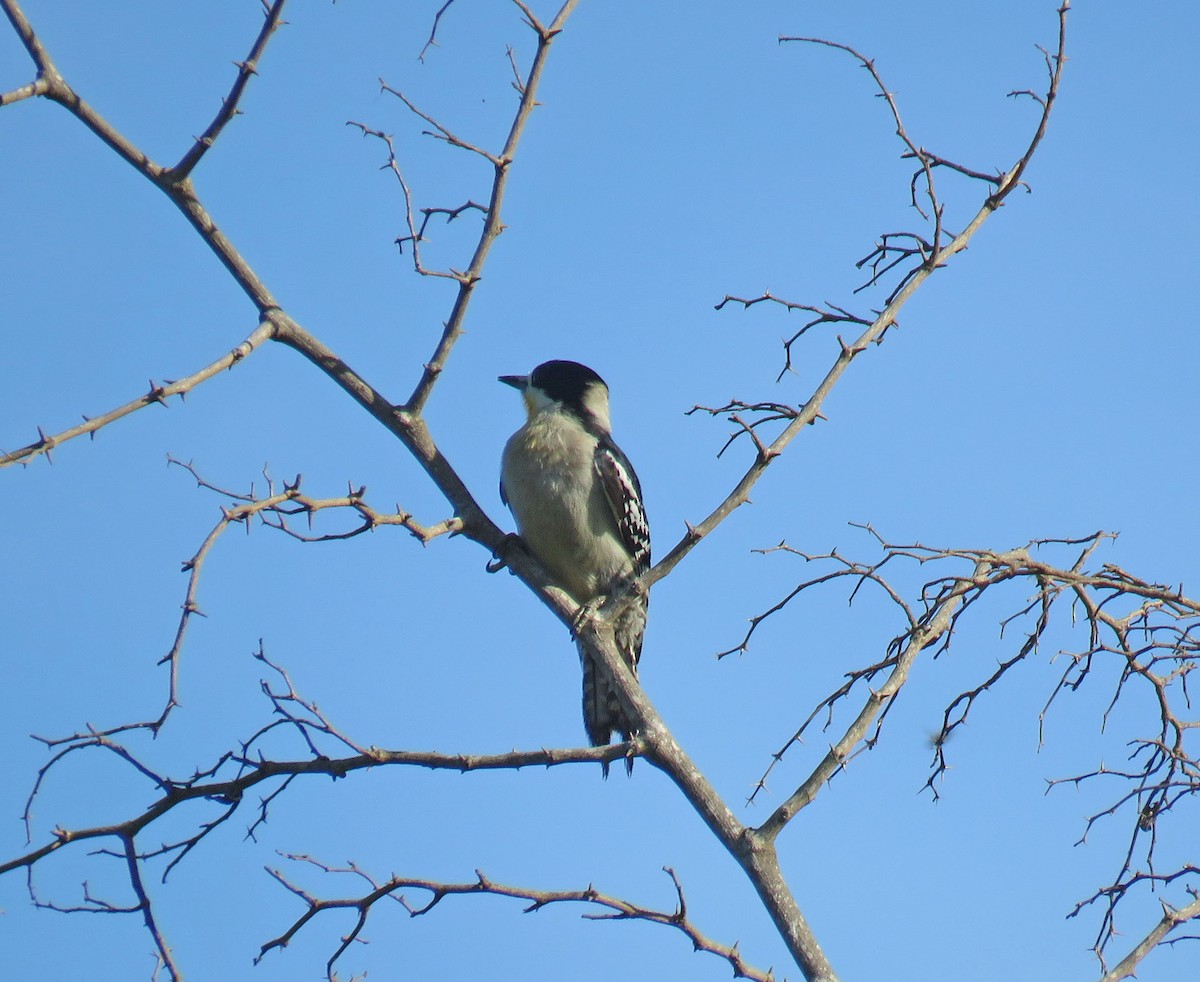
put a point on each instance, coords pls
(559, 505)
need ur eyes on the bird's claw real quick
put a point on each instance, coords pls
(499, 558)
(584, 614)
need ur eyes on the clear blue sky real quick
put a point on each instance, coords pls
(1043, 385)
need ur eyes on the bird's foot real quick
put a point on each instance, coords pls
(584, 614)
(499, 558)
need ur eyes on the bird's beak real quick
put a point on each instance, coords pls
(516, 381)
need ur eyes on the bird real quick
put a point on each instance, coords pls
(578, 507)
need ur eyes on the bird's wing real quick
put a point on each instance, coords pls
(624, 495)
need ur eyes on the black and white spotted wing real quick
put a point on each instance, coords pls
(624, 495)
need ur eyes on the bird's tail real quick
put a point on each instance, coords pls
(602, 712)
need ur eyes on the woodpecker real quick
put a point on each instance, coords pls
(578, 507)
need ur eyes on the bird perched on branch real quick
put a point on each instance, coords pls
(578, 506)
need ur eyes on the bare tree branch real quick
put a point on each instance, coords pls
(416, 235)
(937, 258)
(226, 782)
(1172, 918)
(902, 654)
(1147, 634)
(752, 849)
(177, 187)
(156, 395)
(620, 910)
(229, 107)
(830, 314)
(251, 766)
(277, 509)
(437, 20)
(39, 87)
(492, 224)
(913, 150)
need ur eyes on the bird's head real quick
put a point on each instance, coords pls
(564, 385)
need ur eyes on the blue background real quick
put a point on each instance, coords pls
(1045, 384)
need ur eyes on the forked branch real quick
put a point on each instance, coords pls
(1139, 637)
(397, 889)
(931, 259)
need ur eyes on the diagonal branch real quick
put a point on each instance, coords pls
(33, 45)
(927, 632)
(873, 334)
(156, 395)
(177, 187)
(493, 224)
(133, 865)
(753, 851)
(1054, 69)
(437, 20)
(229, 107)
(1172, 918)
(1148, 633)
